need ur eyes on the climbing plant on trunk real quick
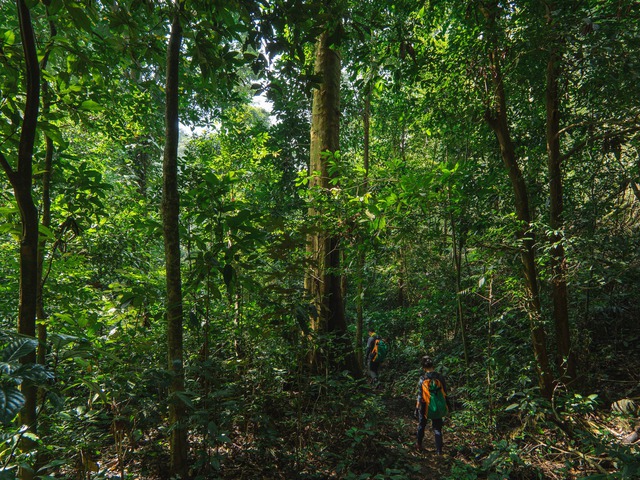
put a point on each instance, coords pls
(171, 235)
(323, 281)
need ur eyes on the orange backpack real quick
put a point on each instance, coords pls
(433, 396)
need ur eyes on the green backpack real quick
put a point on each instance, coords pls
(434, 398)
(379, 352)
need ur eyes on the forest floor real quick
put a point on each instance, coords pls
(384, 449)
(389, 454)
(402, 426)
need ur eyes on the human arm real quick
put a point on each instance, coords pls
(370, 344)
(419, 402)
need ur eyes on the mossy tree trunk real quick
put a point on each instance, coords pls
(323, 281)
(170, 222)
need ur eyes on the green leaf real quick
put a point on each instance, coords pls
(18, 349)
(59, 340)
(8, 210)
(79, 17)
(11, 402)
(46, 232)
(9, 37)
(55, 6)
(54, 133)
(91, 106)
(34, 373)
(52, 464)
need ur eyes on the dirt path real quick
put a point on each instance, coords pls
(402, 426)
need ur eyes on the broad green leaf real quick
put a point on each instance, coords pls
(11, 401)
(46, 232)
(52, 464)
(54, 133)
(18, 349)
(59, 340)
(91, 106)
(8, 210)
(80, 19)
(55, 6)
(9, 37)
(34, 373)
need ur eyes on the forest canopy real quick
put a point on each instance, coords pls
(206, 205)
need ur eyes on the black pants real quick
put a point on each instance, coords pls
(436, 424)
(373, 371)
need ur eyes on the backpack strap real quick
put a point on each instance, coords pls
(374, 350)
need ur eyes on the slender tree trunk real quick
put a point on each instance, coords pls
(46, 211)
(170, 223)
(366, 120)
(402, 278)
(457, 248)
(46, 221)
(566, 359)
(323, 281)
(498, 121)
(21, 180)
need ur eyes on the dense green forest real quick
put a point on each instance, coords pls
(205, 205)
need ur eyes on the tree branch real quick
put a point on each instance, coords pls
(7, 168)
(30, 119)
(606, 134)
(592, 123)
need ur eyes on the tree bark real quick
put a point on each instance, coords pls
(566, 359)
(323, 281)
(46, 210)
(41, 314)
(170, 223)
(366, 121)
(457, 247)
(21, 180)
(497, 119)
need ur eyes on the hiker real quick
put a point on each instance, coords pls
(431, 403)
(372, 355)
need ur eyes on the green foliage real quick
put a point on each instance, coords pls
(14, 374)
(427, 227)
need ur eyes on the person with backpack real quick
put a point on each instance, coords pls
(431, 403)
(375, 354)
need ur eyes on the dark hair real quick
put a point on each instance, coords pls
(426, 362)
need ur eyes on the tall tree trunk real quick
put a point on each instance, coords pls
(46, 209)
(457, 245)
(46, 221)
(323, 281)
(170, 224)
(402, 277)
(497, 119)
(21, 180)
(366, 120)
(566, 359)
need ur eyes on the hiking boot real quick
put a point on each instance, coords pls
(418, 446)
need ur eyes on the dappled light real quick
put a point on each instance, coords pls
(319, 240)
